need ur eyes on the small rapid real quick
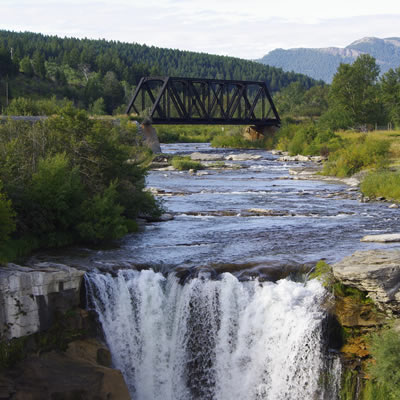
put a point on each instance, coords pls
(215, 339)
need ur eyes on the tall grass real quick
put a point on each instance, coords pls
(362, 153)
(185, 163)
(382, 183)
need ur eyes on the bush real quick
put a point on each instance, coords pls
(357, 155)
(382, 183)
(385, 350)
(102, 217)
(61, 174)
(185, 163)
(7, 223)
(308, 139)
(58, 192)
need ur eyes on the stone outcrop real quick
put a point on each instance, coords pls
(30, 296)
(83, 372)
(376, 272)
(150, 137)
(254, 133)
(196, 156)
(385, 238)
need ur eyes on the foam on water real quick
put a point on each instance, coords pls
(215, 339)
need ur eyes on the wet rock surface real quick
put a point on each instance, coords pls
(376, 272)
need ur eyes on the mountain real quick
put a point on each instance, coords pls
(322, 63)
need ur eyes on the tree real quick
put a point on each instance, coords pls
(390, 86)
(113, 92)
(25, 66)
(354, 91)
(38, 64)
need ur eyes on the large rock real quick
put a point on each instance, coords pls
(83, 373)
(206, 157)
(150, 137)
(385, 238)
(242, 157)
(376, 272)
(30, 296)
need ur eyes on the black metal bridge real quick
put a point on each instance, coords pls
(171, 100)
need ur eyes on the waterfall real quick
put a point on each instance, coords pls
(215, 339)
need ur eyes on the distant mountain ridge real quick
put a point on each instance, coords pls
(322, 63)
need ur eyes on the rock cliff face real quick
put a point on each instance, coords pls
(29, 296)
(376, 272)
(82, 372)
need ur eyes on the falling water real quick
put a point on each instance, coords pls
(215, 339)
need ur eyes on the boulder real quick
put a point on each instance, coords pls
(242, 157)
(30, 296)
(206, 157)
(79, 373)
(385, 238)
(376, 272)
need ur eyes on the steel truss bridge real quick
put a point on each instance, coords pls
(171, 100)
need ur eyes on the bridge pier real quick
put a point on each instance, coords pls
(149, 136)
(259, 132)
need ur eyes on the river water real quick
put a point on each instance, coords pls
(214, 303)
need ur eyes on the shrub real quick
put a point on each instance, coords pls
(58, 192)
(7, 223)
(385, 350)
(185, 163)
(357, 155)
(102, 217)
(382, 183)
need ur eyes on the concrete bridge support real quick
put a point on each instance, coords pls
(254, 133)
(150, 138)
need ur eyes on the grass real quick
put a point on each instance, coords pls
(185, 163)
(383, 183)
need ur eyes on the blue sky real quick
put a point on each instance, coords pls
(246, 29)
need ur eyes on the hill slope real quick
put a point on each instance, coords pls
(322, 63)
(74, 61)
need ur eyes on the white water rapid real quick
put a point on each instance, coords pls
(215, 339)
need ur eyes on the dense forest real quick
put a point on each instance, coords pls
(100, 74)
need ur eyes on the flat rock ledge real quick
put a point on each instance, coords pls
(385, 238)
(376, 272)
(29, 296)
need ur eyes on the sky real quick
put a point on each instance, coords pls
(240, 28)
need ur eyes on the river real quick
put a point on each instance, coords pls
(214, 303)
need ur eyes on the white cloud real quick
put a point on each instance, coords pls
(230, 27)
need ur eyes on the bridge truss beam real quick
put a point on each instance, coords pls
(170, 100)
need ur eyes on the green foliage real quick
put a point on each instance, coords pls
(307, 139)
(390, 87)
(382, 183)
(7, 223)
(233, 138)
(385, 351)
(187, 133)
(185, 163)
(354, 91)
(359, 154)
(28, 106)
(61, 175)
(98, 107)
(102, 217)
(323, 272)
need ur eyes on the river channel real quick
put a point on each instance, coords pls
(249, 218)
(214, 304)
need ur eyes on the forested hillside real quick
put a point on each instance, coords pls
(100, 74)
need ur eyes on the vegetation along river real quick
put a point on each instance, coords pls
(214, 303)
